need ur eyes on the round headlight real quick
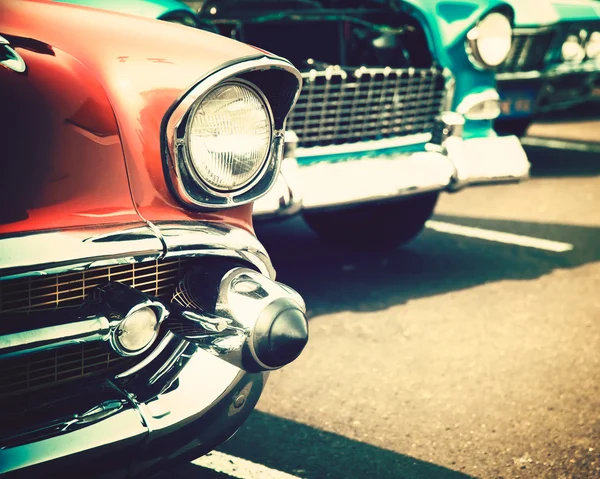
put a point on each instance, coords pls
(229, 136)
(592, 49)
(572, 50)
(490, 41)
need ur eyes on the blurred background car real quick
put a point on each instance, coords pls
(554, 61)
(398, 105)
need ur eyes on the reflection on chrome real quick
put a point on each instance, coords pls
(255, 323)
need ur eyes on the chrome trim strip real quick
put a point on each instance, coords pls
(532, 30)
(332, 70)
(363, 146)
(51, 337)
(531, 75)
(54, 252)
(205, 239)
(450, 89)
(176, 146)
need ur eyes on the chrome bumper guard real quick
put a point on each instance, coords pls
(227, 324)
(183, 386)
(450, 165)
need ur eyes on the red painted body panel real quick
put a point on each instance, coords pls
(87, 115)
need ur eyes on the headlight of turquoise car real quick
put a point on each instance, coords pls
(489, 42)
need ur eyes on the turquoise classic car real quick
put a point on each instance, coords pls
(397, 106)
(554, 62)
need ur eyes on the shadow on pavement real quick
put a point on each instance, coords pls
(556, 163)
(309, 453)
(333, 279)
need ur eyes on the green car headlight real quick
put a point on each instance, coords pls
(489, 42)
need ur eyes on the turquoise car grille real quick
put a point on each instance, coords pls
(528, 51)
(339, 106)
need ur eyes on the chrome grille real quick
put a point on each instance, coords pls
(70, 290)
(528, 51)
(34, 371)
(338, 106)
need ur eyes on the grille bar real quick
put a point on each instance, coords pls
(337, 106)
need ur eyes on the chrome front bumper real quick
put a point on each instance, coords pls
(188, 393)
(456, 164)
(203, 401)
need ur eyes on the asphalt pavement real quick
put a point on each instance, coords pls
(463, 354)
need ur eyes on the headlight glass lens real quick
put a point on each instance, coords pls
(592, 48)
(493, 39)
(229, 136)
(572, 50)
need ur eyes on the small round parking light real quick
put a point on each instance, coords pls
(572, 50)
(592, 48)
(136, 332)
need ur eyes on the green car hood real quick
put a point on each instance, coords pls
(534, 13)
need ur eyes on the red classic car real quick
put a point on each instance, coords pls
(138, 312)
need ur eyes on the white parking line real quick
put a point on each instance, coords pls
(240, 468)
(499, 236)
(561, 144)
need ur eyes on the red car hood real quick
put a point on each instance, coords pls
(89, 109)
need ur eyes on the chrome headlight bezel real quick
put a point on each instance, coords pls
(185, 182)
(472, 46)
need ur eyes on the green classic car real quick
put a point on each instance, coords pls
(554, 62)
(397, 106)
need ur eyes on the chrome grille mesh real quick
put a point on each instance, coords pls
(70, 289)
(528, 51)
(338, 106)
(31, 372)
(21, 296)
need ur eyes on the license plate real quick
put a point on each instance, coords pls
(516, 103)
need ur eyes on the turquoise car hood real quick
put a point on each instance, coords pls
(534, 13)
(142, 8)
(450, 20)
